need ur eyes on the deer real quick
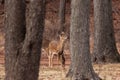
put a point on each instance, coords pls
(57, 48)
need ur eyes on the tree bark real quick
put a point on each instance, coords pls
(104, 46)
(79, 41)
(62, 14)
(23, 39)
(2, 1)
(14, 36)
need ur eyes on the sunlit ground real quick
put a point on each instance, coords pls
(106, 72)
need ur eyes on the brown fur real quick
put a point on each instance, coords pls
(57, 47)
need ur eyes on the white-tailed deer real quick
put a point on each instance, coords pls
(57, 47)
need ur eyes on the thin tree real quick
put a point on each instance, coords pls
(104, 46)
(79, 41)
(62, 14)
(23, 39)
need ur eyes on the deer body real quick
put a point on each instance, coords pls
(57, 47)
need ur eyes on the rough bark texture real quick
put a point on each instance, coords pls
(62, 14)
(23, 39)
(104, 46)
(79, 41)
(14, 36)
(70, 71)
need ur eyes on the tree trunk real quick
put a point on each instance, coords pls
(1, 1)
(79, 41)
(62, 15)
(23, 39)
(14, 37)
(104, 46)
(70, 71)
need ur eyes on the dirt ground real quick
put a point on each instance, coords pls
(106, 72)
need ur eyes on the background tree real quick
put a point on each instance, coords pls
(62, 15)
(104, 47)
(79, 41)
(2, 1)
(23, 39)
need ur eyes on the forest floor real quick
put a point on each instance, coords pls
(105, 71)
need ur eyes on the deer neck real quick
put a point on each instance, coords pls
(61, 44)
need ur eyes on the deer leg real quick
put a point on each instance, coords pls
(49, 57)
(63, 61)
(49, 60)
(52, 60)
(58, 58)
